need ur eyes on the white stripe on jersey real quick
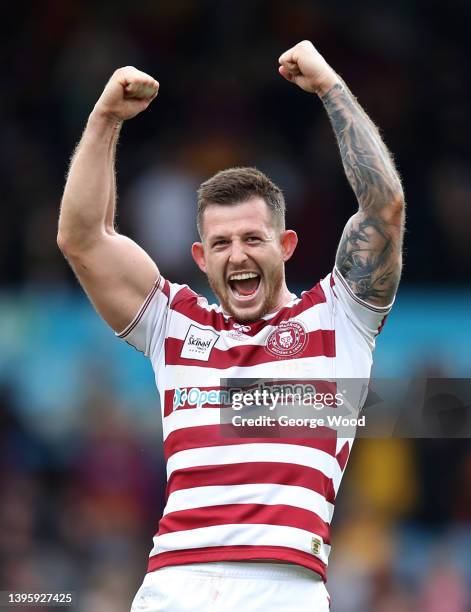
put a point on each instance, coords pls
(191, 376)
(341, 442)
(270, 494)
(244, 534)
(248, 453)
(190, 417)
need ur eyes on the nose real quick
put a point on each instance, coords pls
(238, 255)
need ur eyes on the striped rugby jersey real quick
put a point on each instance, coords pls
(234, 499)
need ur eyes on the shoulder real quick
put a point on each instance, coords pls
(188, 303)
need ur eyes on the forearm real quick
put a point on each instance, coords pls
(366, 160)
(89, 198)
(369, 254)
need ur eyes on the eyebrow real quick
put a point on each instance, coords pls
(225, 236)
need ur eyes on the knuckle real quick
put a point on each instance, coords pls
(125, 70)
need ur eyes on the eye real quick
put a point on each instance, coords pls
(219, 243)
(254, 239)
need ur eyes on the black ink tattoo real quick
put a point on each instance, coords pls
(365, 259)
(369, 252)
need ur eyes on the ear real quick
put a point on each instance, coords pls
(197, 251)
(288, 241)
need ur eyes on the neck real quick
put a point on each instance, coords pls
(284, 298)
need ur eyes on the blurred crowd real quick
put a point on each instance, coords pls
(223, 103)
(78, 510)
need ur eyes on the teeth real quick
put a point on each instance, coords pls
(243, 276)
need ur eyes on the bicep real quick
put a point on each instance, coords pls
(117, 275)
(369, 255)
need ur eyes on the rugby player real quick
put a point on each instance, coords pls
(247, 521)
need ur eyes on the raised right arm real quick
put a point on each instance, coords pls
(115, 272)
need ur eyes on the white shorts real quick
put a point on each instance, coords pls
(232, 586)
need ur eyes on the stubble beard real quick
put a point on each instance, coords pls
(272, 290)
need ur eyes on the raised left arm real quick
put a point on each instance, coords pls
(369, 255)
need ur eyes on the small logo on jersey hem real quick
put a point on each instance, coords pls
(287, 340)
(199, 343)
(316, 545)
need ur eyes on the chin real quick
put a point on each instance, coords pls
(247, 315)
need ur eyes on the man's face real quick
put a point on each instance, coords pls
(243, 257)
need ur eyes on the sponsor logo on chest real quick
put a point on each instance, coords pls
(198, 343)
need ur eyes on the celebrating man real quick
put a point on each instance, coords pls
(247, 520)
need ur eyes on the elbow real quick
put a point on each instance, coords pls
(67, 245)
(399, 201)
(75, 243)
(63, 238)
(62, 242)
(397, 204)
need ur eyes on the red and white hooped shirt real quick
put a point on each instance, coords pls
(241, 499)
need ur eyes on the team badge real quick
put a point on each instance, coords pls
(287, 340)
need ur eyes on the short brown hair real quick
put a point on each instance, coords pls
(239, 184)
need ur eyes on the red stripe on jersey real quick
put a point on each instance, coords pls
(260, 472)
(182, 295)
(244, 514)
(342, 456)
(204, 436)
(210, 554)
(320, 342)
(381, 325)
(166, 289)
(309, 298)
(168, 402)
(186, 303)
(332, 284)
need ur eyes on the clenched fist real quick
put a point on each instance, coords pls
(305, 66)
(127, 93)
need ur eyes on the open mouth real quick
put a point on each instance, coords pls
(244, 285)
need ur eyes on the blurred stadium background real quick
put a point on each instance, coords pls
(81, 473)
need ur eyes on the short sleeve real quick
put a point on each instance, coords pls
(147, 328)
(369, 319)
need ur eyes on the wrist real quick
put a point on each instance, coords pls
(330, 80)
(102, 120)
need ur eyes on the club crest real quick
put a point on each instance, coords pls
(287, 340)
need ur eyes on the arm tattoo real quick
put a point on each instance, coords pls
(366, 160)
(365, 258)
(369, 252)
